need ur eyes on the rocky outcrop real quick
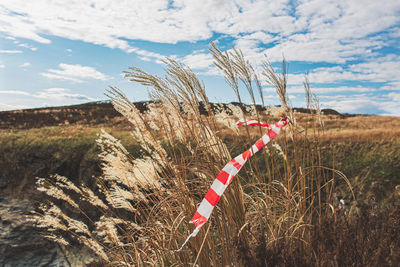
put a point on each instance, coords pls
(22, 245)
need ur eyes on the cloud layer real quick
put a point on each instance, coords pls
(45, 97)
(312, 30)
(74, 73)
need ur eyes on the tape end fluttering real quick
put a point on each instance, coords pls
(194, 233)
(226, 175)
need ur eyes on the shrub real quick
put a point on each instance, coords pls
(145, 202)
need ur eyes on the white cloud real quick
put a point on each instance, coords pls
(69, 50)
(250, 48)
(211, 71)
(75, 73)
(395, 32)
(261, 36)
(62, 95)
(354, 105)
(322, 90)
(385, 105)
(6, 106)
(369, 71)
(60, 77)
(28, 46)
(145, 59)
(146, 54)
(14, 92)
(2, 66)
(395, 85)
(24, 65)
(312, 30)
(338, 31)
(303, 47)
(11, 51)
(394, 96)
(198, 60)
(59, 95)
(378, 71)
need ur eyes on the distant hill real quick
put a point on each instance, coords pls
(92, 113)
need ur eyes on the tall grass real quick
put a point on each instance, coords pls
(139, 214)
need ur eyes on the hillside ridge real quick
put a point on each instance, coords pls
(92, 113)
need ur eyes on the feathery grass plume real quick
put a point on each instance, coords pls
(106, 228)
(317, 108)
(236, 111)
(307, 91)
(246, 73)
(124, 181)
(312, 101)
(224, 63)
(259, 86)
(58, 224)
(51, 220)
(278, 80)
(93, 199)
(224, 118)
(145, 203)
(181, 91)
(120, 167)
(142, 129)
(56, 239)
(54, 190)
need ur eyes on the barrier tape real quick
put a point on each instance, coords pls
(226, 175)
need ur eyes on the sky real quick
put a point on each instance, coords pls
(59, 52)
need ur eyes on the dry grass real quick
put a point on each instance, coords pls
(360, 127)
(145, 203)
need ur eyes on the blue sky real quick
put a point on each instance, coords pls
(68, 52)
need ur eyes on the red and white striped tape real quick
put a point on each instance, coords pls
(226, 175)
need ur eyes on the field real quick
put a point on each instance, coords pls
(367, 149)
